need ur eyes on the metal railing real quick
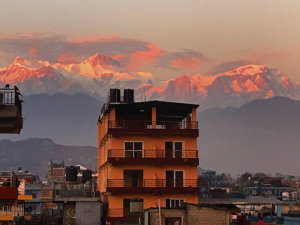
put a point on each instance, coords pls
(135, 124)
(10, 97)
(65, 193)
(153, 183)
(152, 153)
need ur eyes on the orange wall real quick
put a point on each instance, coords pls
(156, 142)
(149, 142)
(48, 192)
(149, 172)
(149, 200)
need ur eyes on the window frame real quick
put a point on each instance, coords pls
(174, 150)
(180, 201)
(134, 150)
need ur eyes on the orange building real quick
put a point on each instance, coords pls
(47, 199)
(147, 155)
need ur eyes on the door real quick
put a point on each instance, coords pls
(170, 178)
(179, 178)
(173, 149)
(174, 178)
(126, 207)
(169, 149)
(133, 178)
(178, 149)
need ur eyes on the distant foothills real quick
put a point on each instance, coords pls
(232, 140)
(98, 73)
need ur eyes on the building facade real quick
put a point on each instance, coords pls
(147, 155)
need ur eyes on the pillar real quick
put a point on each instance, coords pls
(153, 117)
(188, 121)
(194, 118)
(112, 117)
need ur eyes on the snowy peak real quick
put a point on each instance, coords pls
(249, 69)
(18, 59)
(102, 60)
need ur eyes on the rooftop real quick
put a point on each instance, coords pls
(165, 111)
(242, 201)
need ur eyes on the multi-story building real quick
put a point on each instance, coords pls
(33, 206)
(147, 155)
(56, 172)
(47, 198)
(11, 121)
(12, 200)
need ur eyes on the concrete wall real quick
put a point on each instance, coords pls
(192, 214)
(88, 213)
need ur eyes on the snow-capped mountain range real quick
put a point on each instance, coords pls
(97, 74)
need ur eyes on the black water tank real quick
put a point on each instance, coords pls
(128, 95)
(114, 95)
(71, 173)
(86, 175)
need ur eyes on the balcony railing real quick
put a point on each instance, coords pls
(153, 183)
(135, 124)
(152, 153)
(10, 97)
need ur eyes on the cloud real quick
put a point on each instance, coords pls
(32, 51)
(254, 56)
(52, 47)
(135, 60)
(133, 53)
(67, 58)
(182, 59)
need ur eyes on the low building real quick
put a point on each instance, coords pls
(187, 214)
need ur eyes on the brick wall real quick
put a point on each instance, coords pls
(191, 215)
(206, 216)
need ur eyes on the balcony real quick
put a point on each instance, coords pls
(8, 193)
(152, 156)
(11, 120)
(153, 186)
(23, 197)
(153, 127)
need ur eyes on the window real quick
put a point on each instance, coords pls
(134, 149)
(174, 203)
(5, 208)
(33, 195)
(33, 207)
(44, 203)
(173, 149)
(44, 193)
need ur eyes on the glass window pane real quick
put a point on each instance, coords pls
(178, 145)
(138, 145)
(128, 145)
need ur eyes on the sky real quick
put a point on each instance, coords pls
(167, 38)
